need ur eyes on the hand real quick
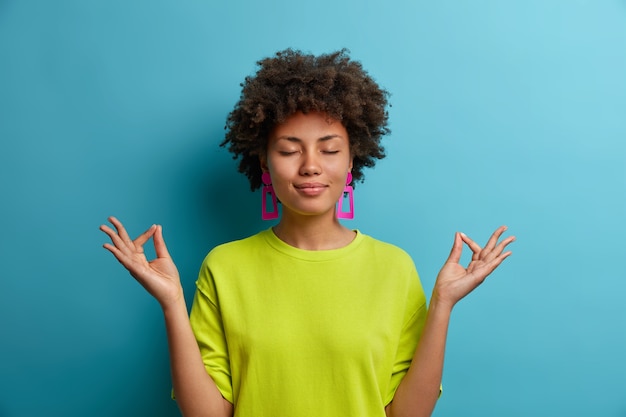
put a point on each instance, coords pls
(159, 276)
(455, 281)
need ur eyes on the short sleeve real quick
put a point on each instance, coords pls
(206, 322)
(410, 334)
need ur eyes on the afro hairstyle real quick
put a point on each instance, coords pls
(292, 81)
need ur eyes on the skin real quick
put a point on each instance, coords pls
(417, 394)
(308, 158)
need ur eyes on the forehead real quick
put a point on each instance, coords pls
(309, 126)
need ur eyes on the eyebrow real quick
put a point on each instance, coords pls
(296, 139)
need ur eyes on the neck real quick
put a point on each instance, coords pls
(313, 232)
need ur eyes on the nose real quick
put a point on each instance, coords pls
(310, 164)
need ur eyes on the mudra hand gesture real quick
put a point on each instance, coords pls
(158, 276)
(455, 281)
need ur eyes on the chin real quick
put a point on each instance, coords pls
(311, 212)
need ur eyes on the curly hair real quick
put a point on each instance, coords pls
(292, 81)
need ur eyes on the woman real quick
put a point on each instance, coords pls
(307, 318)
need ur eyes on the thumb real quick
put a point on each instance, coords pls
(159, 243)
(143, 238)
(457, 249)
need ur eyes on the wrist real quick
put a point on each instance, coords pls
(440, 305)
(174, 303)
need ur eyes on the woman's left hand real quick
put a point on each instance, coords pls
(454, 281)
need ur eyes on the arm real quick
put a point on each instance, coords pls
(196, 393)
(417, 394)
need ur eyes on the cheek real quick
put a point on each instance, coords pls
(281, 174)
(342, 169)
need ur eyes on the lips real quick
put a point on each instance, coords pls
(310, 185)
(311, 188)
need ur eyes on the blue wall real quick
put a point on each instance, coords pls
(503, 112)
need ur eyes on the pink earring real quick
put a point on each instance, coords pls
(268, 189)
(350, 191)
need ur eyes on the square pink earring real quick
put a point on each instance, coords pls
(341, 214)
(268, 190)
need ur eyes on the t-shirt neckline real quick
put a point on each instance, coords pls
(311, 255)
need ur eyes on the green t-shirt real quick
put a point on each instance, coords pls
(286, 332)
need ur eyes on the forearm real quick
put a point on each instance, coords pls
(196, 393)
(418, 392)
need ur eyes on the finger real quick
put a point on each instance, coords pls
(132, 265)
(457, 249)
(115, 238)
(121, 257)
(493, 240)
(159, 244)
(115, 251)
(499, 248)
(121, 231)
(475, 247)
(487, 268)
(143, 238)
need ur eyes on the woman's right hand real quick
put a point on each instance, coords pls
(158, 276)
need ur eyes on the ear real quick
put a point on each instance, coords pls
(263, 163)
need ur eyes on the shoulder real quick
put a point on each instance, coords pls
(386, 250)
(243, 256)
(237, 248)
(394, 267)
(234, 255)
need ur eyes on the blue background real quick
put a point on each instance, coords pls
(503, 112)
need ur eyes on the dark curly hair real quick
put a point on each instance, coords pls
(292, 81)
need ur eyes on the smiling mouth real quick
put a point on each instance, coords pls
(315, 185)
(310, 189)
